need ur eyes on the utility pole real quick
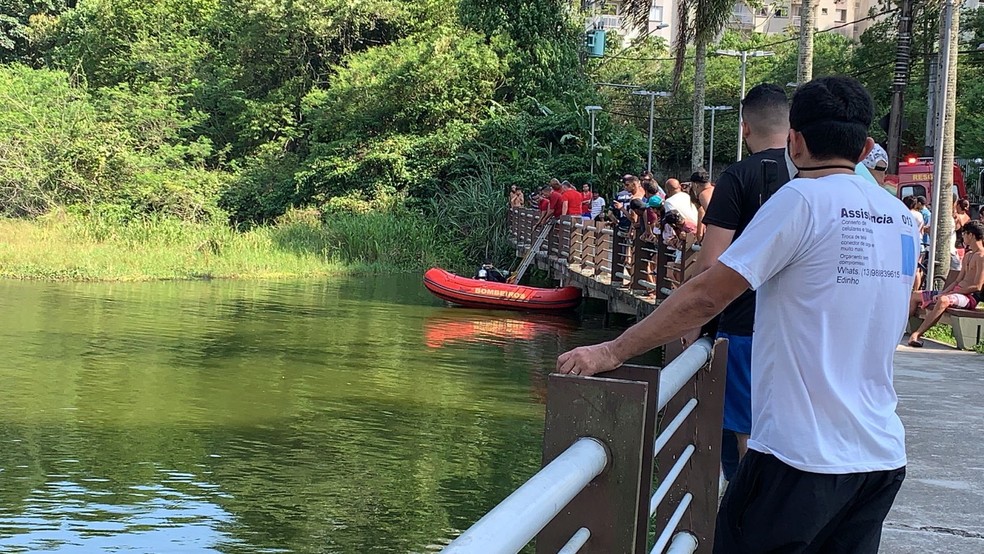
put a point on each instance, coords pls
(804, 69)
(930, 139)
(743, 56)
(592, 110)
(899, 82)
(946, 94)
(713, 109)
(652, 98)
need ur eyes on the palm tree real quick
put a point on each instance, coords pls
(944, 223)
(804, 70)
(709, 18)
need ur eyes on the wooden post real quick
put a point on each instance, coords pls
(613, 409)
(639, 259)
(662, 258)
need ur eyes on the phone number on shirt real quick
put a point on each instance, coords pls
(893, 273)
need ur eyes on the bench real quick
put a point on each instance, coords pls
(968, 325)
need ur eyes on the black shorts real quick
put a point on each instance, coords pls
(772, 507)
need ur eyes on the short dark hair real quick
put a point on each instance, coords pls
(766, 109)
(833, 114)
(700, 176)
(909, 201)
(921, 200)
(673, 218)
(975, 228)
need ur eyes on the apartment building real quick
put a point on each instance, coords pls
(842, 16)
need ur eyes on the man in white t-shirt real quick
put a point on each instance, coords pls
(832, 260)
(680, 201)
(597, 204)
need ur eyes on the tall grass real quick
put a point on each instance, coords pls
(475, 213)
(63, 246)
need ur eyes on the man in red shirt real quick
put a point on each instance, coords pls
(555, 202)
(586, 198)
(571, 200)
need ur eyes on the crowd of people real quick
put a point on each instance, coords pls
(813, 447)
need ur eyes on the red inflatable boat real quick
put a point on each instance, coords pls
(474, 293)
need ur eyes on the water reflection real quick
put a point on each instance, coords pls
(349, 416)
(452, 325)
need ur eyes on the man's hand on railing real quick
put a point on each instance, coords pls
(588, 360)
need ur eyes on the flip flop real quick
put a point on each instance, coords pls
(916, 343)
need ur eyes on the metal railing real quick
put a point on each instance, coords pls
(600, 449)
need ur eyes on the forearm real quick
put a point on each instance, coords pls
(689, 307)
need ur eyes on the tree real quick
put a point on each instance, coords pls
(709, 19)
(944, 223)
(804, 70)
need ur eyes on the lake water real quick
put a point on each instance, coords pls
(351, 416)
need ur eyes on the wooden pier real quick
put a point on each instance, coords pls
(631, 274)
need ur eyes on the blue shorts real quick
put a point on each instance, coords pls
(738, 386)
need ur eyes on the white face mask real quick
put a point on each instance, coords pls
(790, 164)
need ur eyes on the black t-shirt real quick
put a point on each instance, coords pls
(738, 194)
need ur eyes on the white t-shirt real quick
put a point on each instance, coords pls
(833, 261)
(597, 206)
(681, 203)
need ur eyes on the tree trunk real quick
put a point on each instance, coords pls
(944, 223)
(700, 90)
(804, 70)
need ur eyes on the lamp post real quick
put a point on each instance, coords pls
(652, 97)
(743, 55)
(592, 110)
(713, 109)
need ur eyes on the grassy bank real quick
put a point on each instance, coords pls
(62, 246)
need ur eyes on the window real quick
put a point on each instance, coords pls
(782, 11)
(841, 16)
(823, 11)
(656, 14)
(797, 10)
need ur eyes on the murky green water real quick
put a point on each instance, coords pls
(353, 416)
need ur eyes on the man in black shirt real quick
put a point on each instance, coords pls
(738, 194)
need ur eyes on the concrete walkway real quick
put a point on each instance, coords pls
(941, 401)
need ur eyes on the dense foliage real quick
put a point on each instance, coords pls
(213, 109)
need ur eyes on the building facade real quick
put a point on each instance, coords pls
(840, 16)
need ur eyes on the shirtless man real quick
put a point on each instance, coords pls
(516, 199)
(963, 293)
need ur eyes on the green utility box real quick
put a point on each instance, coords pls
(595, 43)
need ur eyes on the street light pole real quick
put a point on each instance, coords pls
(591, 111)
(652, 98)
(713, 109)
(743, 55)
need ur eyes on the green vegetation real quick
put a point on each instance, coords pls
(941, 333)
(227, 113)
(63, 246)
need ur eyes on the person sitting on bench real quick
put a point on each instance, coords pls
(964, 293)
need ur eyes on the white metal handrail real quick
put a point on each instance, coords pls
(577, 541)
(683, 543)
(673, 425)
(517, 519)
(671, 525)
(670, 478)
(675, 375)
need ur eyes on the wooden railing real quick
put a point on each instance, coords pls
(600, 251)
